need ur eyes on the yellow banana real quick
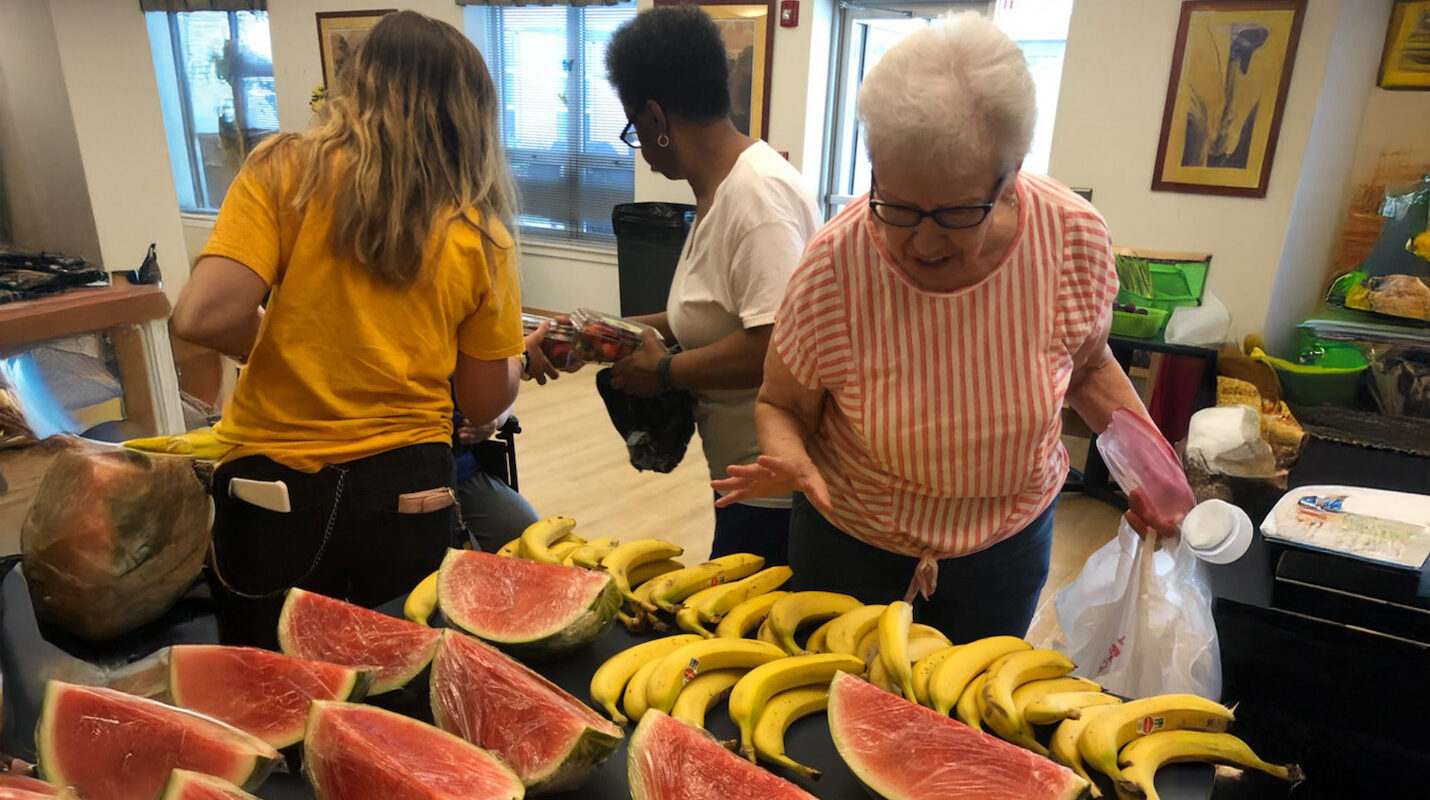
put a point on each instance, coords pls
(847, 629)
(673, 587)
(1063, 745)
(1007, 674)
(1037, 690)
(642, 574)
(633, 700)
(780, 712)
(421, 601)
(703, 693)
(949, 680)
(1055, 708)
(511, 549)
(1142, 757)
(560, 550)
(803, 608)
(748, 698)
(609, 682)
(538, 537)
(894, 626)
(764, 634)
(688, 620)
(918, 650)
(682, 665)
(635, 623)
(589, 555)
(747, 616)
(868, 647)
(714, 603)
(1105, 735)
(923, 670)
(969, 708)
(818, 640)
(624, 559)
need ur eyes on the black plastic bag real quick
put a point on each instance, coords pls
(24, 276)
(656, 429)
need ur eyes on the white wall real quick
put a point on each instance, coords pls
(109, 71)
(44, 180)
(1109, 117)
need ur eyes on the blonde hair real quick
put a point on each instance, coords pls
(955, 94)
(410, 139)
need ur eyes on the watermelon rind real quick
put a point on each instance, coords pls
(398, 765)
(377, 684)
(660, 734)
(181, 780)
(560, 636)
(354, 688)
(251, 767)
(590, 748)
(845, 730)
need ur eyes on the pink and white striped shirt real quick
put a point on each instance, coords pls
(940, 435)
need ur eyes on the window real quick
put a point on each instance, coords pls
(867, 29)
(215, 74)
(561, 120)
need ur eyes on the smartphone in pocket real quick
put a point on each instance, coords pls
(425, 501)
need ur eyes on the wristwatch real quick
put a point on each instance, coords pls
(525, 364)
(662, 369)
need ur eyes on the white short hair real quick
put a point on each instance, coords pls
(954, 95)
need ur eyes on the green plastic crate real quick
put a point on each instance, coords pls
(1178, 279)
(1329, 373)
(1139, 326)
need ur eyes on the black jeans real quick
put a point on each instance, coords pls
(751, 529)
(343, 536)
(990, 592)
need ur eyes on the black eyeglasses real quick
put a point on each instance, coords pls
(949, 217)
(629, 135)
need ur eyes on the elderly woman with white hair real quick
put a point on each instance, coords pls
(927, 343)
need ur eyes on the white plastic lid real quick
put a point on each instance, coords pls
(1217, 531)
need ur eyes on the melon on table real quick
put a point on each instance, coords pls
(20, 787)
(320, 628)
(359, 752)
(904, 751)
(531, 609)
(259, 691)
(108, 745)
(671, 760)
(549, 738)
(189, 785)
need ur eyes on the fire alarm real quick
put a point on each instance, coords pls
(789, 13)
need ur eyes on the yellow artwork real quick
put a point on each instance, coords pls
(1406, 62)
(1230, 73)
(749, 40)
(339, 34)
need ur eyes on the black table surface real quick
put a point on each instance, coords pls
(29, 656)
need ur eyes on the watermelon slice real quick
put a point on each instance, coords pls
(188, 785)
(551, 739)
(670, 760)
(320, 628)
(532, 610)
(259, 691)
(904, 751)
(21, 783)
(112, 746)
(357, 752)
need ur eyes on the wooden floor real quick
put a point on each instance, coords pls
(570, 460)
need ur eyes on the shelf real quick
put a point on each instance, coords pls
(78, 311)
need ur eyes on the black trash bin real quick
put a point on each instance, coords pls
(649, 237)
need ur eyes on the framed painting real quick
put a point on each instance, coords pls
(1405, 64)
(339, 34)
(1231, 68)
(749, 35)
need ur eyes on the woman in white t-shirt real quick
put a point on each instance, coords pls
(753, 216)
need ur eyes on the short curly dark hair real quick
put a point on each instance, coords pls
(673, 55)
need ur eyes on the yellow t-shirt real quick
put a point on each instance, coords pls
(345, 365)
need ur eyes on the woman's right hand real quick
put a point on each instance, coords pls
(771, 476)
(538, 366)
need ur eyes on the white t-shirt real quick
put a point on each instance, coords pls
(732, 276)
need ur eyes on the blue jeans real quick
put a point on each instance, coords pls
(994, 591)
(750, 529)
(494, 513)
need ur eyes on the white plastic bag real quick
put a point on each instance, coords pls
(1138, 620)
(1206, 325)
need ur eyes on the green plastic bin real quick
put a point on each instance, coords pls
(1139, 326)
(1177, 279)
(1329, 374)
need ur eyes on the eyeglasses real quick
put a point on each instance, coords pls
(949, 217)
(629, 135)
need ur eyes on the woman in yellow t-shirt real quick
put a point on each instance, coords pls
(379, 239)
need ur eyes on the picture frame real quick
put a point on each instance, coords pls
(1405, 62)
(749, 32)
(1231, 69)
(339, 34)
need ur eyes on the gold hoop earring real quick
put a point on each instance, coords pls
(663, 141)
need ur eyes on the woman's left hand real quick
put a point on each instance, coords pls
(1147, 521)
(538, 367)
(635, 373)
